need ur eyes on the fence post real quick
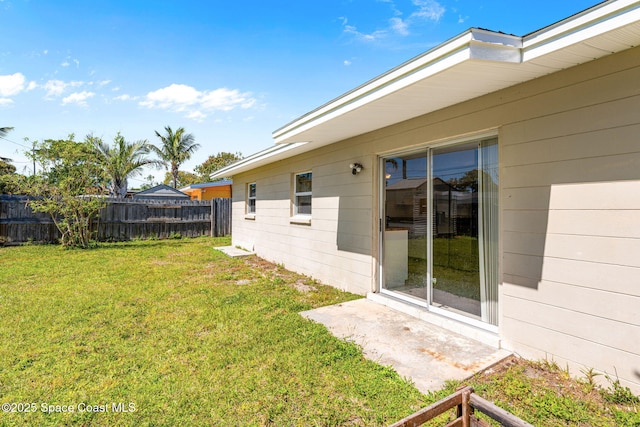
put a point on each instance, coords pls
(213, 217)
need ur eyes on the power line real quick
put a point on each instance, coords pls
(13, 142)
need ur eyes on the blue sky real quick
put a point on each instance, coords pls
(229, 72)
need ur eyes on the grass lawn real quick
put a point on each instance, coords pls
(168, 333)
(185, 335)
(456, 265)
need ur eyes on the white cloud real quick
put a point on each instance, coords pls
(66, 62)
(346, 62)
(54, 87)
(399, 26)
(57, 87)
(174, 97)
(197, 104)
(125, 97)
(226, 99)
(12, 84)
(428, 9)
(32, 85)
(424, 10)
(79, 98)
(376, 35)
(353, 30)
(198, 116)
(5, 101)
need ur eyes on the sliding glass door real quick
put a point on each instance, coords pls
(440, 234)
(405, 233)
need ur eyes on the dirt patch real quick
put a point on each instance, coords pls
(303, 287)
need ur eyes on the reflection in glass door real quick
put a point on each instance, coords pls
(456, 270)
(406, 227)
(440, 237)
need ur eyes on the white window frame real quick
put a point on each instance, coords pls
(296, 194)
(250, 198)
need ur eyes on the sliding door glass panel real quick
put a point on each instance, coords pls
(455, 219)
(405, 260)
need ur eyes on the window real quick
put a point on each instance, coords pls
(302, 194)
(251, 198)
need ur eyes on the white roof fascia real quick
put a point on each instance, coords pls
(473, 44)
(258, 159)
(592, 22)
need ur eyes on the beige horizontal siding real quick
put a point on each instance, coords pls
(570, 181)
(341, 206)
(586, 301)
(570, 210)
(530, 270)
(573, 352)
(553, 314)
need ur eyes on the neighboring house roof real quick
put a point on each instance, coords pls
(474, 63)
(405, 184)
(220, 183)
(161, 191)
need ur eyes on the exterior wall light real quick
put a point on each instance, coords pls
(355, 168)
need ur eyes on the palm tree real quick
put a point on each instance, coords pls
(177, 148)
(121, 161)
(3, 132)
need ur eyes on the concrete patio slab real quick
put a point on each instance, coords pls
(233, 252)
(426, 354)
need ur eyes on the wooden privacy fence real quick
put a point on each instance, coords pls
(121, 219)
(465, 401)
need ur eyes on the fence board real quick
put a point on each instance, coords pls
(121, 219)
(465, 401)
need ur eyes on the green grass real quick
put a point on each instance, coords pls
(456, 265)
(184, 334)
(543, 394)
(188, 336)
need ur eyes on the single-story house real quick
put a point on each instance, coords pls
(522, 157)
(209, 190)
(161, 192)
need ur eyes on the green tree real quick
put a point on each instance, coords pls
(184, 179)
(150, 181)
(214, 163)
(177, 147)
(68, 188)
(6, 168)
(121, 161)
(467, 182)
(8, 177)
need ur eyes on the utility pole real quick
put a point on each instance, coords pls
(33, 153)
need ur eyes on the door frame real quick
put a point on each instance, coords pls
(381, 184)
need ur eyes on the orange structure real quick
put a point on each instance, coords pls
(209, 190)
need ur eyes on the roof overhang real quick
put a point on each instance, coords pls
(270, 155)
(475, 63)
